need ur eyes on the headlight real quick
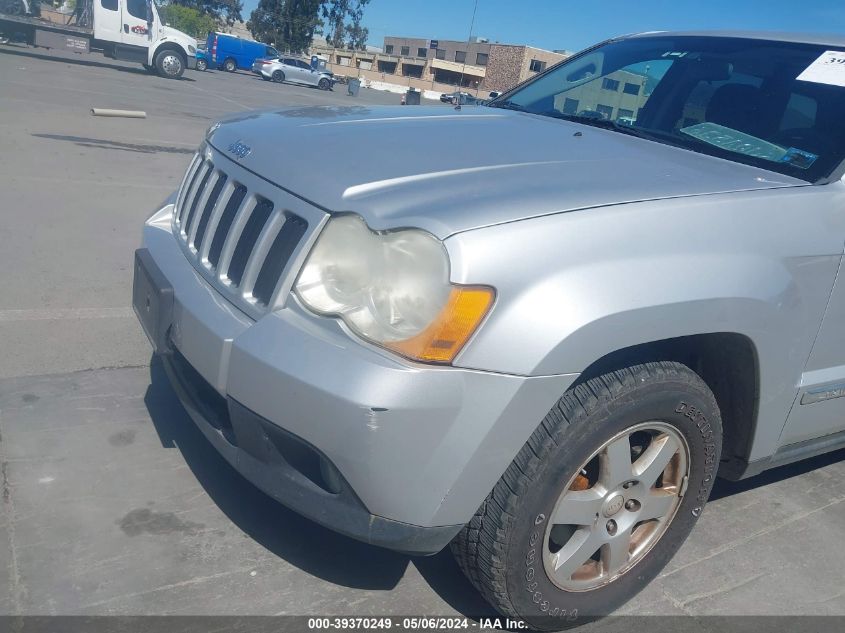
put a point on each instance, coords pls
(392, 289)
(191, 49)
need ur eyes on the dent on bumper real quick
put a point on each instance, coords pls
(418, 445)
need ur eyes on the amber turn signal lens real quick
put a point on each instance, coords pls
(441, 341)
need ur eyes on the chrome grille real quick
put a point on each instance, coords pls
(246, 236)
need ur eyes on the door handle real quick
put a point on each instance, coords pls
(126, 28)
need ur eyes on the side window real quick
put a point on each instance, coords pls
(537, 66)
(110, 5)
(137, 8)
(303, 65)
(287, 61)
(271, 52)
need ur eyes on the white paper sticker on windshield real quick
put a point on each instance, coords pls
(829, 69)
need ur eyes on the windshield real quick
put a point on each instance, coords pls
(770, 104)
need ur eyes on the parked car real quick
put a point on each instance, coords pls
(460, 98)
(298, 71)
(452, 97)
(230, 53)
(202, 59)
(540, 346)
(260, 62)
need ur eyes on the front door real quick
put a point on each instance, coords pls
(309, 75)
(292, 71)
(136, 23)
(819, 409)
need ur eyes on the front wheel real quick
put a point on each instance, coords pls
(169, 64)
(202, 65)
(278, 76)
(599, 499)
(324, 84)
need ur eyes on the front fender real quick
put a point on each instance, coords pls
(165, 43)
(577, 286)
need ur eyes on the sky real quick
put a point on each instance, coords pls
(573, 25)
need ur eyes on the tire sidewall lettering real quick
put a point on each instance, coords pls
(695, 418)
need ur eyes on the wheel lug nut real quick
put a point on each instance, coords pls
(611, 527)
(632, 505)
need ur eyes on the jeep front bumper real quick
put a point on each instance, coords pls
(387, 451)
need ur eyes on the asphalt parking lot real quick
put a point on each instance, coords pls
(114, 503)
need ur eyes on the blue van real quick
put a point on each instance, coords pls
(228, 52)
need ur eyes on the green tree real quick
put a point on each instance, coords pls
(355, 33)
(343, 23)
(287, 24)
(221, 10)
(188, 20)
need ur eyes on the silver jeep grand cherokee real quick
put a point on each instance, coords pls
(540, 346)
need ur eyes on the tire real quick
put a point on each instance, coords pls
(230, 66)
(170, 64)
(324, 84)
(278, 76)
(508, 548)
(202, 65)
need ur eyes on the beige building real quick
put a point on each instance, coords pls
(478, 66)
(619, 95)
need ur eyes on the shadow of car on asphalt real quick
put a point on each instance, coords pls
(724, 488)
(327, 554)
(293, 538)
(26, 52)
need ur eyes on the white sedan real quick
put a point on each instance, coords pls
(296, 71)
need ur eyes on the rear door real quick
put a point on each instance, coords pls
(107, 20)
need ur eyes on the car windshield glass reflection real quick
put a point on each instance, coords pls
(758, 102)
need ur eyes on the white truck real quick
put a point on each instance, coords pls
(129, 30)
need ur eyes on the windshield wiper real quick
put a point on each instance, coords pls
(509, 105)
(605, 124)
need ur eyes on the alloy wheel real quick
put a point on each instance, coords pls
(616, 507)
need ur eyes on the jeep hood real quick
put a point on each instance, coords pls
(448, 170)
